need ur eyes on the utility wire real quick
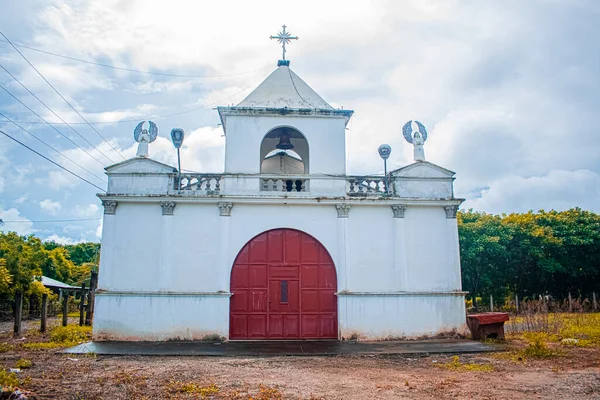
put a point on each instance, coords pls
(52, 221)
(47, 159)
(55, 114)
(133, 69)
(51, 126)
(147, 118)
(52, 148)
(61, 96)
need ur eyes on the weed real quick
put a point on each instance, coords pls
(267, 393)
(4, 347)
(44, 345)
(8, 379)
(537, 347)
(456, 365)
(71, 334)
(193, 388)
(23, 363)
(213, 338)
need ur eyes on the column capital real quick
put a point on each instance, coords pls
(110, 206)
(343, 210)
(398, 210)
(451, 211)
(225, 208)
(167, 207)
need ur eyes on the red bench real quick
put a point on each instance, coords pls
(487, 325)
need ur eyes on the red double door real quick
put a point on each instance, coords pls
(283, 284)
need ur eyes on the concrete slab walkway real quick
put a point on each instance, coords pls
(280, 348)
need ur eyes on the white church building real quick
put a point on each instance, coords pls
(283, 244)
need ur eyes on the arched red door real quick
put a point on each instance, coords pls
(283, 283)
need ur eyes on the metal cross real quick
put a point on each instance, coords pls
(284, 37)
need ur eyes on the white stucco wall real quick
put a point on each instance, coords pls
(325, 137)
(155, 268)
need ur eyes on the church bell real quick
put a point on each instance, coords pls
(284, 142)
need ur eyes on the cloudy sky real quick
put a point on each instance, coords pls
(507, 88)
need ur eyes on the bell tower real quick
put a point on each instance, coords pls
(284, 116)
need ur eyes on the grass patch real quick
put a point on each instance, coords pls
(23, 363)
(4, 347)
(71, 334)
(456, 365)
(44, 345)
(194, 388)
(8, 379)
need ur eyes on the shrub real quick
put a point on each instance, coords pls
(537, 346)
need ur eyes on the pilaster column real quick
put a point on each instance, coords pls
(452, 244)
(109, 224)
(399, 245)
(225, 208)
(343, 210)
(224, 272)
(165, 262)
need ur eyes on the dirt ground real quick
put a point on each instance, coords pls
(575, 374)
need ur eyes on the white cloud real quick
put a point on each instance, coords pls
(99, 229)
(557, 191)
(51, 207)
(22, 199)
(86, 211)
(62, 239)
(15, 222)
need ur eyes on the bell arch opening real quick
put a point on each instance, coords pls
(284, 151)
(283, 285)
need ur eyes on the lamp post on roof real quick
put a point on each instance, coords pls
(177, 135)
(284, 38)
(384, 152)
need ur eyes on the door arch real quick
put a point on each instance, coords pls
(283, 285)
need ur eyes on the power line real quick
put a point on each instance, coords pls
(61, 96)
(51, 126)
(133, 69)
(47, 159)
(52, 148)
(55, 114)
(147, 118)
(52, 221)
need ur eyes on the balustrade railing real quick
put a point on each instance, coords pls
(365, 185)
(283, 184)
(199, 183)
(211, 184)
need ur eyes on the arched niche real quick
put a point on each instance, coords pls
(278, 161)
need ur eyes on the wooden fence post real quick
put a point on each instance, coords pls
(491, 303)
(594, 303)
(570, 303)
(65, 309)
(517, 303)
(18, 312)
(44, 312)
(91, 296)
(82, 306)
